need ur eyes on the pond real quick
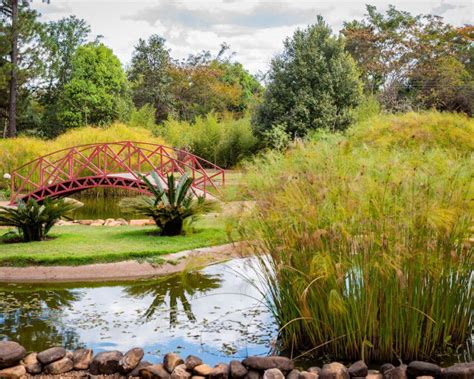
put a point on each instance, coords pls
(214, 313)
(101, 207)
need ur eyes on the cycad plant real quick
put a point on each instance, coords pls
(34, 220)
(168, 207)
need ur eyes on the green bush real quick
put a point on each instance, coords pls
(365, 240)
(223, 142)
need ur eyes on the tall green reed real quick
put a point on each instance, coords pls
(365, 251)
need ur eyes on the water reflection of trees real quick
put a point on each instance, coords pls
(172, 290)
(30, 315)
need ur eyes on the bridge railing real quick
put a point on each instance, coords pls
(46, 175)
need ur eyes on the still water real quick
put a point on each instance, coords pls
(214, 313)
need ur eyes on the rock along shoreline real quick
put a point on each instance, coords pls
(57, 362)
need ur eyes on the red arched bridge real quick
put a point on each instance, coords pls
(114, 164)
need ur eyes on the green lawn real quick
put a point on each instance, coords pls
(76, 245)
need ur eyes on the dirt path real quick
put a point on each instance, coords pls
(125, 270)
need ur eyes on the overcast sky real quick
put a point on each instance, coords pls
(254, 29)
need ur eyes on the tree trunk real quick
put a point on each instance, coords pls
(13, 76)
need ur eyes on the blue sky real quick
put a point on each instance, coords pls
(254, 29)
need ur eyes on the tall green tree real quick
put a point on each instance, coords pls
(95, 90)
(313, 84)
(150, 76)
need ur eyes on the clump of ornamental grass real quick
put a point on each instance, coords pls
(365, 251)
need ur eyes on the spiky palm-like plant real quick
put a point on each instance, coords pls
(34, 220)
(168, 207)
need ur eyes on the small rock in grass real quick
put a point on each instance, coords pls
(171, 360)
(237, 370)
(50, 355)
(264, 363)
(13, 372)
(460, 371)
(60, 366)
(82, 358)
(334, 370)
(105, 363)
(192, 361)
(130, 360)
(154, 372)
(273, 373)
(358, 368)
(32, 364)
(10, 353)
(202, 370)
(420, 368)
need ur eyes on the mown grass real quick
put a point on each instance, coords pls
(365, 239)
(78, 245)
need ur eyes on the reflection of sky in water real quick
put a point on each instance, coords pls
(218, 316)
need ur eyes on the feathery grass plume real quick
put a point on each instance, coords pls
(364, 238)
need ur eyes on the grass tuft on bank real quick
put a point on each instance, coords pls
(79, 245)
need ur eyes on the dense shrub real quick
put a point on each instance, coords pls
(222, 142)
(365, 238)
(16, 152)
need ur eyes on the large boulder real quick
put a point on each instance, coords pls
(273, 373)
(237, 370)
(420, 368)
(10, 353)
(192, 361)
(60, 366)
(13, 372)
(334, 370)
(460, 371)
(154, 372)
(50, 355)
(105, 363)
(32, 365)
(264, 363)
(171, 360)
(358, 369)
(130, 360)
(82, 358)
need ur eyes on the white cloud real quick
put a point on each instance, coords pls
(255, 29)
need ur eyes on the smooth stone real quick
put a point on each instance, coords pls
(136, 371)
(265, 363)
(252, 374)
(82, 358)
(10, 353)
(131, 359)
(273, 373)
(198, 377)
(374, 374)
(50, 355)
(220, 371)
(154, 372)
(293, 374)
(385, 367)
(192, 361)
(420, 368)
(180, 372)
(59, 367)
(308, 375)
(358, 368)
(334, 370)
(425, 377)
(315, 369)
(202, 370)
(171, 360)
(399, 372)
(32, 364)
(13, 372)
(237, 369)
(105, 363)
(460, 371)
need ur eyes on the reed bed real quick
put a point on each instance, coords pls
(365, 246)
